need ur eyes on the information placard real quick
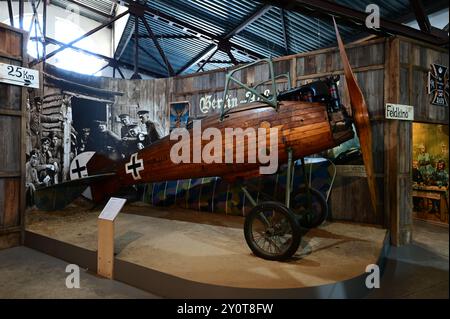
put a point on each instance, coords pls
(112, 208)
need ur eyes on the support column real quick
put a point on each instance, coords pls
(397, 159)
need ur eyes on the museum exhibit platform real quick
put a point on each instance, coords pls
(179, 253)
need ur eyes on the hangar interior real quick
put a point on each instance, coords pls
(115, 156)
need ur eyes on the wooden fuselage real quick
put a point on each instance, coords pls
(302, 126)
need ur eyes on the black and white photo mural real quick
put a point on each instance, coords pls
(76, 114)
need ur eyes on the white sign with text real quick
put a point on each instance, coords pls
(399, 112)
(112, 208)
(17, 75)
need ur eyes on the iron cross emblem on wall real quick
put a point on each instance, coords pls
(438, 85)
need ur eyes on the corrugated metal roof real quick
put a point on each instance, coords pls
(264, 36)
(100, 9)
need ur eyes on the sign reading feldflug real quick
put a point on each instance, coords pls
(399, 112)
(17, 75)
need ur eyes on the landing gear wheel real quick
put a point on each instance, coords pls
(272, 231)
(318, 211)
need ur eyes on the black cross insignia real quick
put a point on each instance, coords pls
(78, 169)
(134, 166)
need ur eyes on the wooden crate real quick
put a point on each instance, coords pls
(12, 141)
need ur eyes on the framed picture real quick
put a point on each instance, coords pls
(179, 114)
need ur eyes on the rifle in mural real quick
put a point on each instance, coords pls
(299, 121)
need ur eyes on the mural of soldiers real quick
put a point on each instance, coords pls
(126, 122)
(152, 133)
(47, 167)
(134, 141)
(84, 140)
(32, 179)
(105, 141)
(57, 152)
(36, 120)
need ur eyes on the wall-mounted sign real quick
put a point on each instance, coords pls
(17, 75)
(438, 85)
(210, 103)
(399, 112)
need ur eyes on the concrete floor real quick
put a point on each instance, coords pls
(26, 273)
(419, 270)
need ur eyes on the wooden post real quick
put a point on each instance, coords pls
(67, 115)
(398, 135)
(105, 249)
(105, 257)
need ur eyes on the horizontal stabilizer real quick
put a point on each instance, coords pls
(60, 195)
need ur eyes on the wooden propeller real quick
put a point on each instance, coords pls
(361, 119)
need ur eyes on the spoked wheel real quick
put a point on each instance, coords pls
(312, 209)
(271, 231)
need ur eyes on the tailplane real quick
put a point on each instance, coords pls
(88, 171)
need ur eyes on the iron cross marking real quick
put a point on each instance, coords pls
(438, 85)
(134, 166)
(79, 169)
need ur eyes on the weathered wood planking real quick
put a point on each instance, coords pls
(12, 142)
(415, 59)
(10, 95)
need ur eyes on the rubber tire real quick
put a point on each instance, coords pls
(292, 219)
(323, 204)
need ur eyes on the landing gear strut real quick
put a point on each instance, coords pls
(273, 230)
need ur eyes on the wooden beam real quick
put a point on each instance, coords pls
(102, 68)
(105, 250)
(200, 56)
(224, 40)
(44, 27)
(120, 72)
(249, 20)
(203, 34)
(11, 14)
(65, 46)
(283, 28)
(136, 49)
(206, 61)
(21, 12)
(232, 58)
(326, 9)
(158, 47)
(421, 16)
(125, 45)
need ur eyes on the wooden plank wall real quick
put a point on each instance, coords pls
(406, 83)
(415, 61)
(12, 142)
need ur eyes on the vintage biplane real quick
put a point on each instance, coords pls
(310, 119)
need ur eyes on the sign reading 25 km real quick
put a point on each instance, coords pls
(17, 75)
